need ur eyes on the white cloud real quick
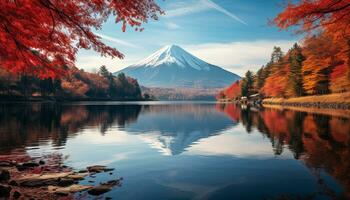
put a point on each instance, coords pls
(116, 40)
(199, 6)
(172, 26)
(182, 9)
(215, 6)
(238, 57)
(91, 61)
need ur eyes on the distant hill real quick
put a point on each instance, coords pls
(173, 67)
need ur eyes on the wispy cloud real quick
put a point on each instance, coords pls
(238, 57)
(116, 40)
(199, 6)
(215, 6)
(183, 10)
(172, 26)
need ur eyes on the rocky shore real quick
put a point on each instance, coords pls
(47, 178)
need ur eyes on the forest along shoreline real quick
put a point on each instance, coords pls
(330, 101)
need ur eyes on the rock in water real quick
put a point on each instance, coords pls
(4, 176)
(5, 191)
(16, 195)
(103, 188)
(98, 169)
(98, 190)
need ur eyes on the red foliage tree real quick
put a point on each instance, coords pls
(230, 93)
(233, 91)
(41, 36)
(331, 18)
(330, 15)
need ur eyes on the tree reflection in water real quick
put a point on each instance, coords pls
(321, 142)
(24, 125)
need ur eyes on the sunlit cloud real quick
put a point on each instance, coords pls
(238, 57)
(91, 61)
(116, 40)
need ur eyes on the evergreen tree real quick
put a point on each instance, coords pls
(276, 55)
(295, 79)
(247, 84)
(104, 71)
(260, 78)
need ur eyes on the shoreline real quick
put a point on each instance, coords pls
(330, 101)
(323, 111)
(62, 100)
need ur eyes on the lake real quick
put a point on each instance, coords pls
(190, 150)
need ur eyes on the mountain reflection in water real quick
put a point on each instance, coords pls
(192, 136)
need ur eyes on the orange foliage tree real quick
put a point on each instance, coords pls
(331, 19)
(320, 58)
(275, 83)
(40, 36)
(230, 93)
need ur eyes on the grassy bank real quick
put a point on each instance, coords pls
(339, 101)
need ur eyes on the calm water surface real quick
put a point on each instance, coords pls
(190, 150)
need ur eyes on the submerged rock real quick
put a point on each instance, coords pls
(63, 182)
(16, 194)
(4, 175)
(104, 187)
(98, 190)
(30, 164)
(71, 189)
(41, 162)
(13, 183)
(83, 171)
(5, 191)
(99, 168)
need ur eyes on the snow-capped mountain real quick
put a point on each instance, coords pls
(172, 66)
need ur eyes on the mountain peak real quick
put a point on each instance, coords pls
(173, 54)
(172, 66)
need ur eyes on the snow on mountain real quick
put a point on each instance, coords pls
(172, 66)
(172, 54)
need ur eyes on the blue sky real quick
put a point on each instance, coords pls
(233, 34)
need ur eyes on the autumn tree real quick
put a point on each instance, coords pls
(260, 78)
(39, 37)
(320, 59)
(232, 92)
(275, 83)
(328, 18)
(295, 78)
